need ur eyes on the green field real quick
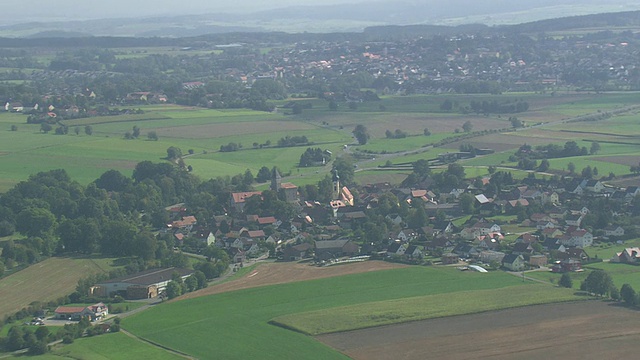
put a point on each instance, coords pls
(420, 308)
(114, 346)
(220, 325)
(28, 150)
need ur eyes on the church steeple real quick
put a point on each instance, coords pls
(276, 180)
(336, 185)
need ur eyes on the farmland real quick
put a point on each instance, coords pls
(185, 325)
(46, 280)
(109, 346)
(585, 330)
(85, 157)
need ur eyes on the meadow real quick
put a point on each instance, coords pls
(221, 325)
(27, 150)
(116, 346)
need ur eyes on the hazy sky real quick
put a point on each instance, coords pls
(15, 11)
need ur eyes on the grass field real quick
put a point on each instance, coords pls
(116, 346)
(237, 316)
(27, 150)
(420, 308)
(46, 280)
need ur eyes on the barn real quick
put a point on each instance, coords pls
(142, 285)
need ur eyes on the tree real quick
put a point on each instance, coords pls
(36, 222)
(515, 122)
(76, 130)
(571, 167)
(544, 165)
(14, 127)
(598, 282)
(136, 132)
(264, 175)
(152, 135)
(587, 172)
(628, 295)
(467, 126)
(361, 133)
(15, 339)
(426, 132)
(88, 129)
(595, 147)
(173, 153)
(467, 203)
(173, 289)
(565, 281)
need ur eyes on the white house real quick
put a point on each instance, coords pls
(614, 230)
(581, 238)
(513, 262)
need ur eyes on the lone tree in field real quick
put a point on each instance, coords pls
(565, 281)
(88, 130)
(628, 295)
(362, 134)
(426, 132)
(151, 135)
(467, 126)
(598, 282)
(173, 153)
(595, 147)
(571, 167)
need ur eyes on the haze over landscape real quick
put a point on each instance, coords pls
(163, 18)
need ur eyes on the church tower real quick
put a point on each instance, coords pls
(276, 180)
(336, 185)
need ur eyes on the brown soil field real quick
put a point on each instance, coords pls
(625, 181)
(499, 142)
(286, 272)
(231, 128)
(415, 124)
(620, 159)
(581, 330)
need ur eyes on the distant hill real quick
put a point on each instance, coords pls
(349, 17)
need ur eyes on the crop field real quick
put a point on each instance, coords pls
(582, 330)
(114, 346)
(46, 280)
(186, 325)
(387, 312)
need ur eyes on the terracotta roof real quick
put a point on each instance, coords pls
(240, 197)
(69, 309)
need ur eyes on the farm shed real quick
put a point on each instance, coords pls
(142, 285)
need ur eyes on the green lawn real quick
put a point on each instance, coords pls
(237, 316)
(114, 346)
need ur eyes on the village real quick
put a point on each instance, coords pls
(521, 227)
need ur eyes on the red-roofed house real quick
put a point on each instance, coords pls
(94, 312)
(237, 199)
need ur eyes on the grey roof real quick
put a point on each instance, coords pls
(331, 244)
(150, 277)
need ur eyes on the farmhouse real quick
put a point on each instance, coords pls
(93, 312)
(330, 249)
(142, 285)
(513, 262)
(627, 256)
